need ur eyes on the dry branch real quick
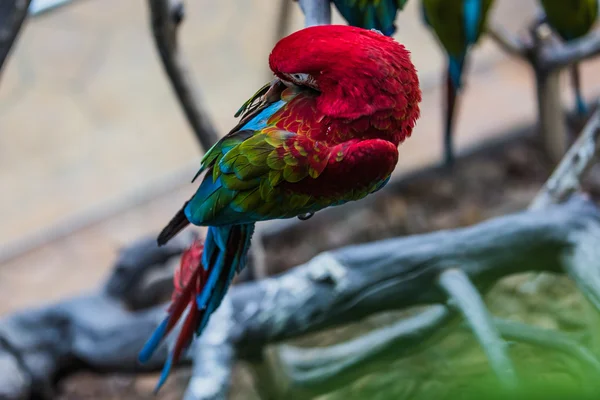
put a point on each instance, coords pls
(334, 288)
(12, 16)
(565, 180)
(316, 12)
(166, 15)
(547, 58)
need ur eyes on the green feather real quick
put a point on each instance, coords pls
(248, 200)
(571, 18)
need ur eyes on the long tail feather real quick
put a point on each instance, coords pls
(224, 253)
(176, 225)
(453, 78)
(582, 108)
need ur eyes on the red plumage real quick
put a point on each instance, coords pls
(188, 281)
(361, 110)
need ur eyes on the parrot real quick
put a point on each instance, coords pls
(571, 20)
(371, 14)
(458, 24)
(325, 131)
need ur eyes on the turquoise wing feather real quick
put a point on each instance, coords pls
(371, 14)
(458, 24)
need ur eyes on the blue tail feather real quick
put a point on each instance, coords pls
(225, 253)
(582, 108)
(154, 341)
(455, 69)
(164, 373)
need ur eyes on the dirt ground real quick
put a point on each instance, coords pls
(488, 184)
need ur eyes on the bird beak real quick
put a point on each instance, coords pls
(275, 89)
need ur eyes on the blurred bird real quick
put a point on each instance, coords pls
(572, 19)
(324, 132)
(371, 14)
(458, 24)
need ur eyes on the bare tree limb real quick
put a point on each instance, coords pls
(311, 368)
(316, 370)
(213, 354)
(165, 16)
(12, 16)
(506, 41)
(337, 287)
(547, 58)
(566, 178)
(316, 12)
(464, 297)
(564, 54)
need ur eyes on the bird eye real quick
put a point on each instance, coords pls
(300, 77)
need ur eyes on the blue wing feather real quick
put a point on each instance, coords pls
(472, 13)
(379, 16)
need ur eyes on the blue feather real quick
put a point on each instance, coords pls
(424, 14)
(153, 342)
(472, 19)
(215, 288)
(260, 120)
(455, 69)
(582, 108)
(164, 373)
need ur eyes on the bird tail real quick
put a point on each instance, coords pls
(202, 281)
(453, 84)
(176, 225)
(581, 105)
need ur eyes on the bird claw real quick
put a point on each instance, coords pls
(304, 217)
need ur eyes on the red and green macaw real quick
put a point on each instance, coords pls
(572, 19)
(458, 24)
(324, 132)
(371, 14)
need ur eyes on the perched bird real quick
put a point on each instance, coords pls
(371, 14)
(324, 132)
(571, 20)
(458, 24)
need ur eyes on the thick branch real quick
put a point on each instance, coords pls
(166, 15)
(319, 370)
(12, 15)
(213, 355)
(334, 288)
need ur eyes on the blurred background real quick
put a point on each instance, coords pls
(96, 152)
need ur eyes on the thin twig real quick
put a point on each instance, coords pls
(165, 18)
(507, 41)
(12, 16)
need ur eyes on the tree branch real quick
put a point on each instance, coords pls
(316, 12)
(165, 16)
(506, 41)
(12, 16)
(566, 178)
(334, 288)
(547, 58)
(561, 55)
(464, 297)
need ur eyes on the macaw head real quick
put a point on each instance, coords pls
(357, 72)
